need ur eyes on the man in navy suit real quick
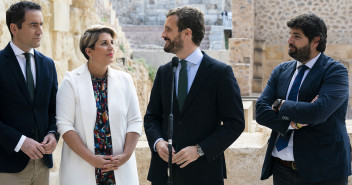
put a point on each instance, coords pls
(206, 94)
(305, 104)
(28, 86)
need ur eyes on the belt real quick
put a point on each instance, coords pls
(288, 164)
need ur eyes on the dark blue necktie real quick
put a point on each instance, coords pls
(282, 141)
(182, 84)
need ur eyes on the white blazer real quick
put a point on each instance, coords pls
(76, 110)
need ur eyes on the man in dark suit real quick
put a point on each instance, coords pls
(206, 94)
(305, 104)
(28, 86)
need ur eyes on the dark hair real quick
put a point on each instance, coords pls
(15, 14)
(91, 36)
(191, 18)
(312, 26)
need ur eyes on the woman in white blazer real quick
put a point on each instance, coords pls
(98, 117)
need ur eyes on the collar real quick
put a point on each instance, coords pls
(309, 64)
(18, 51)
(84, 69)
(196, 57)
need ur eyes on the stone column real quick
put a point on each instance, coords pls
(241, 44)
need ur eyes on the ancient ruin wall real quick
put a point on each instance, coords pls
(152, 12)
(272, 15)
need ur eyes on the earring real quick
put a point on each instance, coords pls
(91, 60)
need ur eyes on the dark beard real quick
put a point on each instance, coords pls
(302, 54)
(174, 46)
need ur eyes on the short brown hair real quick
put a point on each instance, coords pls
(191, 18)
(91, 36)
(16, 13)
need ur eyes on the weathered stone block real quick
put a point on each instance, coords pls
(241, 59)
(257, 85)
(61, 13)
(274, 52)
(257, 71)
(339, 51)
(248, 116)
(243, 19)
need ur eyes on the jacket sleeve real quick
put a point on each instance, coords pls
(153, 116)
(9, 137)
(332, 94)
(65, 106)
(264, 114)
(134, 119)
(52, 102)
(231, 114)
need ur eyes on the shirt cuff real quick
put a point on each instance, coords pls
(155, 143)
(20, 143)
(290, 128)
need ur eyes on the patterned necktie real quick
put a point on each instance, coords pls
(283, 140)
(29, 76)
(182, 84)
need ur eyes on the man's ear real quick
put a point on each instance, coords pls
(188, 33)
(315, 42)
(13, 29)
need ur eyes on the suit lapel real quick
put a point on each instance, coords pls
(39, 75)
(16, 71)
(310, 78)
(167, 89)
(199, 80)
(285, 78)
(87, 104)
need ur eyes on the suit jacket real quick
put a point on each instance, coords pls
(76, 110)
(322, 149)
(214, 97)
(18, 115)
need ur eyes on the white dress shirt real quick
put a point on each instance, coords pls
(287, 153)
(22, 62)
(193, 62)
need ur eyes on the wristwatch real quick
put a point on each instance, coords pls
(277, 104)
(56, 134)
(199, 151)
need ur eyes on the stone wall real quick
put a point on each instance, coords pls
(152, 12)
(242, 43)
